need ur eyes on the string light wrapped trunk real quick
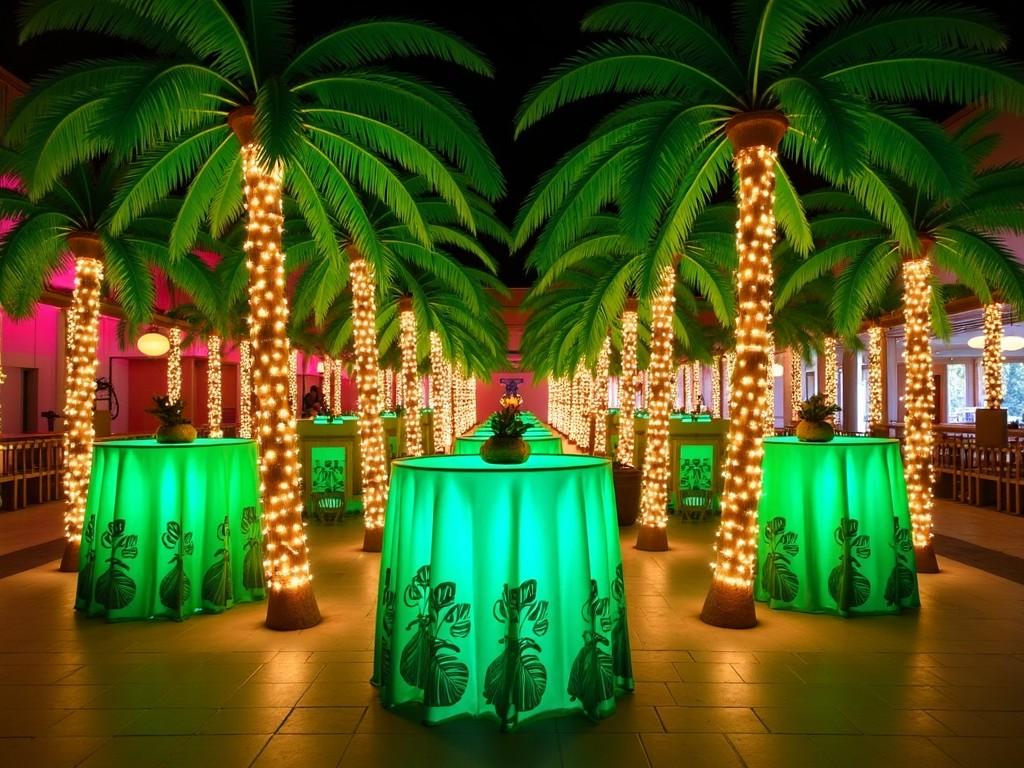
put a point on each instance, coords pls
(293, 382)
(831, 372)
(688, 388)
(919, 397)
(440, 397)
(80, 386)
(291, 603)
(875, 417)
(716, 387)
(325, 381)
(336, 388)
(755, 137)
(627, 383)
(601, 398)
(992, 356)
(174, 365)
(698, 383)
(410, 378)
(653, 534)
(371, 429)
(245, 387)
(587, 397)
(214, 401)
(796, 383)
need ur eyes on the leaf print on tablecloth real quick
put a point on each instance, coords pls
(115, 588)
(176, 586)
(780, 580)
(252, 562)
(846, 584)
(902, 580)
(516, 680)
(86, 574)
(622, 664)
(592, 679)
(429, 661)
(218, 587)
(387, 609)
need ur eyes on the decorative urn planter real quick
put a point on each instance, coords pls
(178, 433)
(627, 482)
(505, 450)
(815, 431)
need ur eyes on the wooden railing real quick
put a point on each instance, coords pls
(30, 469)
(977, 475)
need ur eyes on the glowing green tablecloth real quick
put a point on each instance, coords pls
(835, 534)
(501, 591)
(171, 530)
(538, 443)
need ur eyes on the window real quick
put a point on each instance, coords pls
(1013, 402)
(956, 393)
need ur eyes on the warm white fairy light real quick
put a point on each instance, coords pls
(286, 554)
(440, 394)
(80, 385)
(391, 397)
(293, 382)
(174, 365)
(371, 429)
(875, 335)
(245, 390)
(325, 381)
(627, 384)
(698, 383)
(601, 398)
(214, 408)
(687, 387)
(587, 409)
(768, 414)
(716, 387)
(646, 390)
(654, 491)
(796, 382)
(919, 399)
(992, 356)
(410, 380)
(736, 544)
(336, 388)
(831, 372)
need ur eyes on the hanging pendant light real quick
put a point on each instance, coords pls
(153, 343)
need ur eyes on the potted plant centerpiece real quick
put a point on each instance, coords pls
(814, 426)
(506, 445)
(174, 428)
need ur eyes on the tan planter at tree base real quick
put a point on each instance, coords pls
(627, 482)
(69, 560)
(178, 433)
(729, 607)
(924, 559)
(815, 431)
(505, 450)
(373, 539)
(290, 609)
(652, 539)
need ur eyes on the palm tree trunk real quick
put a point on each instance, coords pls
(796, 383)
(601, 399)
(875, 418)
(410, 379)
(214, 402)
(653, 535)
(627, 384)
(716, 387)
(992, 356)
(80, 385)
(440, 394)
(174, 365)
(371, 429)
(919, 400)
(291, 604)
(730, 601)
(244, 389)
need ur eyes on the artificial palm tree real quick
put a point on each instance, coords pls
(813, 76)
(73, 221)
(962, 237)
(229, 104)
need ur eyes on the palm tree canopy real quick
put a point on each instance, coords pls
(864, 254)
(35, 248)
(345, 123)
(832, 70)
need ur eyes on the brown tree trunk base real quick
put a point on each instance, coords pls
(373, 538)
(69, 561)
(729, 607)
(925, 560)
(652, 539)
(291, 609)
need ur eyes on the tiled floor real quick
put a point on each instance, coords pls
(938, 687)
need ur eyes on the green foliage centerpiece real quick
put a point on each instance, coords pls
(174, 427)
(814, 426)
(506, 445)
